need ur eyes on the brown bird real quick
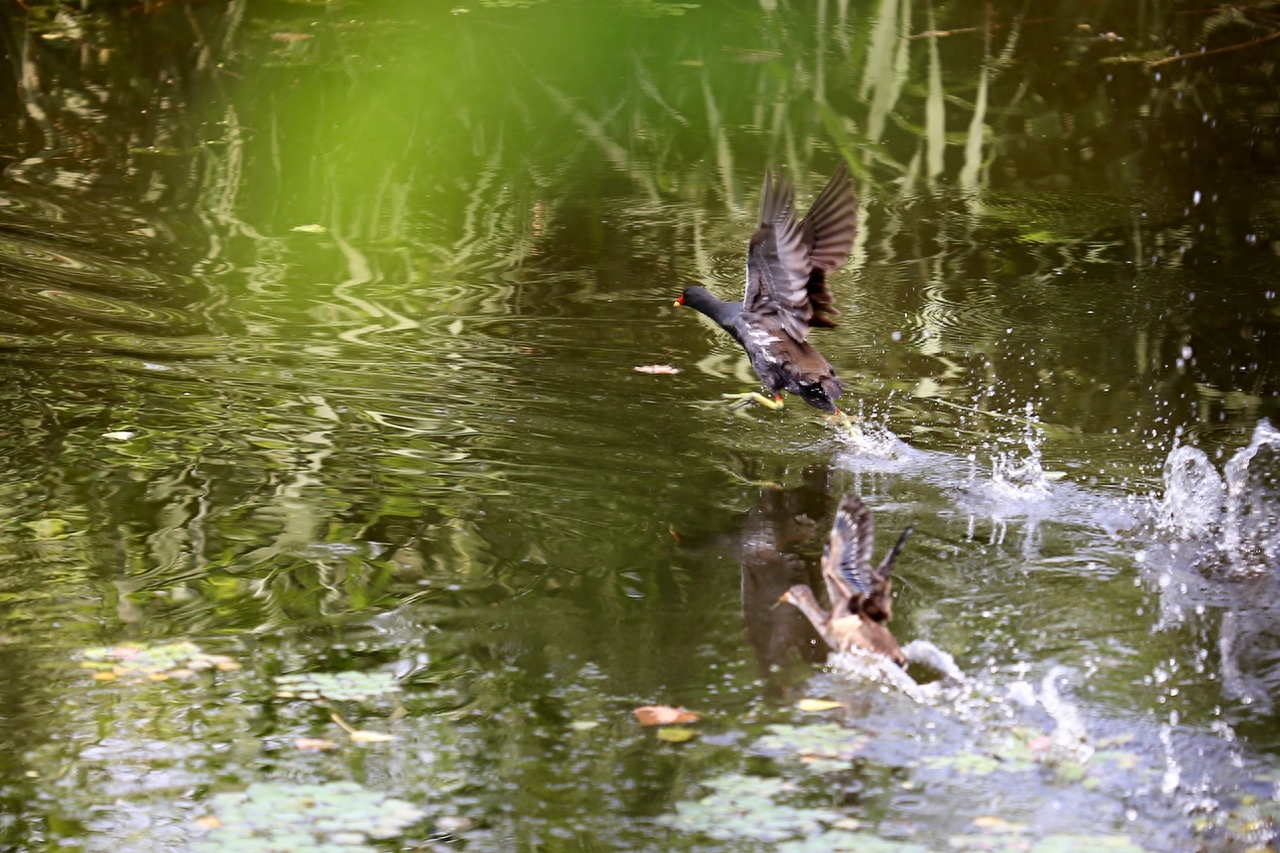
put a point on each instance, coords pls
(787, 293)
(860, 595)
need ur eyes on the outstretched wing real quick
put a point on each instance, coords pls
(788, 260)
(846, 561)
(828, 230)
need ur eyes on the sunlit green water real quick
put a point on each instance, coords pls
(320, 332)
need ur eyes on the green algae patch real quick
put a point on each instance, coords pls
(271, 816)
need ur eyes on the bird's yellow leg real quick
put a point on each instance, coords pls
(755, 397)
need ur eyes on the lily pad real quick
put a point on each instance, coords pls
(822, 741)
(743, 807)
(835, 841)
(280, 816)
(335, 686)
(138, 661)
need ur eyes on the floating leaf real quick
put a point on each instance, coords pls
(811, 743)
(309, 229)
(817, 705)
(719, 815)
(1074, 843)
(314, 743)
(119, 435)
(454, 824)
(336, 686)
(663, 715)
(990, 822)
(152, 663)
(583, 725)
(675, 734)
(657, 369)
(361, 735)
(366, 736)
(278, 816)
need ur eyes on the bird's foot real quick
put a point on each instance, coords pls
(844, 422)
(747, 399)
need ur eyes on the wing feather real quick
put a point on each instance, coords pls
(788, 260)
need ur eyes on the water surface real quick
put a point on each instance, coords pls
(321, 326)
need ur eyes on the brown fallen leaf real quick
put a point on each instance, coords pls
(663, 715)
(657, 369)
(208, 822)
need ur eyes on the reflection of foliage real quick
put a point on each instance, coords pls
(276, 816)
(81, 94)
(655, 8)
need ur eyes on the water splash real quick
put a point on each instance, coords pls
(1241, 509)
(1193, 494)
(1251, 535)
(1018, 477)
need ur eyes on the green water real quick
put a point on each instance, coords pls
(320, 324)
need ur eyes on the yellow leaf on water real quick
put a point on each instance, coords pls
(365, 736)
(314, 743)
(675, 734)
(104, 676)
(990, 821)
(208, 822)
(815, 705)
(361, 735)
(657, 369)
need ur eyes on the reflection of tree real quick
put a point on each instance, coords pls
(106, 101)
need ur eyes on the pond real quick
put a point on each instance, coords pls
(336, 512)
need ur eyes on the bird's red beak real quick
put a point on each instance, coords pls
(680, 299)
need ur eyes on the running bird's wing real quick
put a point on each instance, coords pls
(787, 260)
